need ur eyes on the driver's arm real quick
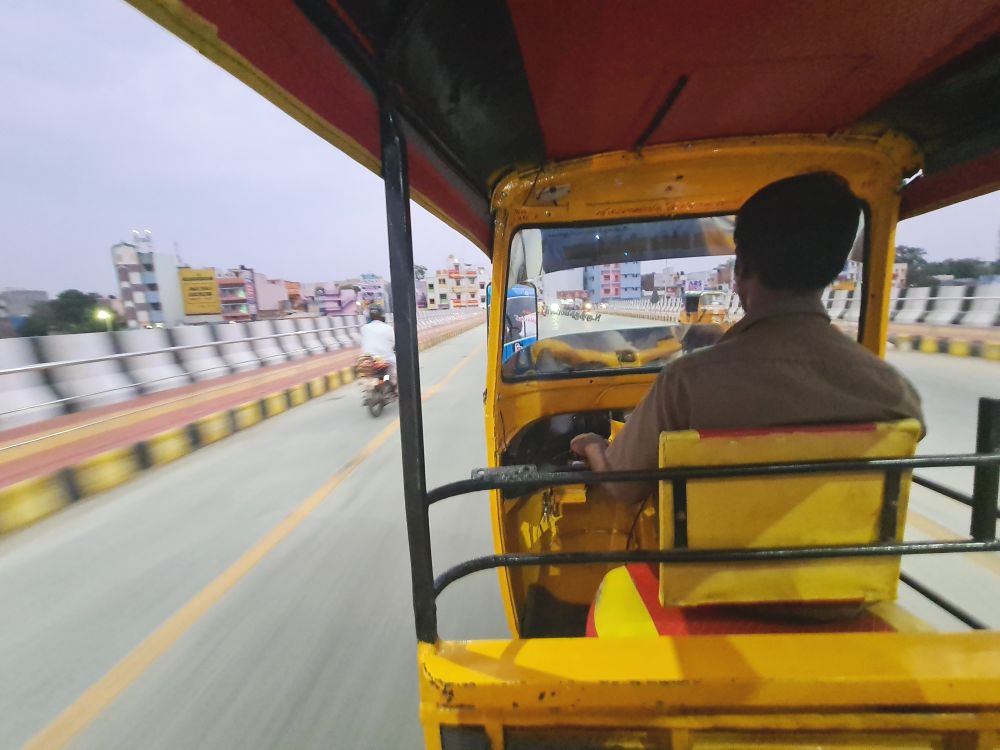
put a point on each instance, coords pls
(637, 446)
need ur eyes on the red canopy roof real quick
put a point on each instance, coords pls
(490, 86)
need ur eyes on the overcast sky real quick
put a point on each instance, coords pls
(109, 123)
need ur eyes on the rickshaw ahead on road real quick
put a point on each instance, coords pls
(582, 148)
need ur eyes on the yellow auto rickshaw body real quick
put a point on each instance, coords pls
(705, 308)
(506, 117)
(690, 179)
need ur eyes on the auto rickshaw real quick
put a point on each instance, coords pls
(705, 308)
(617, 134)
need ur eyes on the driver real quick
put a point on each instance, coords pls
(378, 340)
(784, 363)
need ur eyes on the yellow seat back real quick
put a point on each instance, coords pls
(789, 511)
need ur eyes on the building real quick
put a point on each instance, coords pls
(148, 283)
(330, 298)
(613, 281)
(272, 297)
(295, 299)
(237, 298)
(852, 276)
(459, 285)
(18, 303)
(373, 289)
(899, 272)
(553, 285)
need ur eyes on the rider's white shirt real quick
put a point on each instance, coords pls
(378, 340)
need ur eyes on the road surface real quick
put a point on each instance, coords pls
(186, 610)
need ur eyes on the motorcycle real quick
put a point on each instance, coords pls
(376, 387)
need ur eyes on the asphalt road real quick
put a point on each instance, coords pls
(185, 609)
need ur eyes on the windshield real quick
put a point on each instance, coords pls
(618, 296)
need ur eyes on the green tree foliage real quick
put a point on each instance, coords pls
(922, 272)
(71, 311)
(419, 272)
(655, 297)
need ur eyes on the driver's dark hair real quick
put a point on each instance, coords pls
(375, 313)
(795, 234)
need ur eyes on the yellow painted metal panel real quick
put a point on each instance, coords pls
(812, 510)
(992, 351)
(866, 672)
(24, 503)
(619, 611)
(347, 375)
(168, 446)
(247, 415)
(333, 381)
(107, 470)
(213, 428)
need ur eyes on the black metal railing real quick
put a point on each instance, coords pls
(983, 502)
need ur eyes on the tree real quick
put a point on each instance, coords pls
(646, 282)
(71, 311)
(419, 272)
(923, 272)
(916, 262)
(655, 297)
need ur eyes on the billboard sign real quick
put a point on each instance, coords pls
(199, 291)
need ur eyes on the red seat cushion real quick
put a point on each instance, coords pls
(733, 620)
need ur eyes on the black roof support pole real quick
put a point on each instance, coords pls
(411, 428)
(986, 481)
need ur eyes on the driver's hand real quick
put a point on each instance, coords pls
(580, 443)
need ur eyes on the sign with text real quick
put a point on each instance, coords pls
(199, 291)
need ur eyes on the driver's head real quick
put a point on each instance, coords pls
(795, 234)
(375, 313)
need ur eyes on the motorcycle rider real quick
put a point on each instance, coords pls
(379, 341)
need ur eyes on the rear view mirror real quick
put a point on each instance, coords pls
(520, 319)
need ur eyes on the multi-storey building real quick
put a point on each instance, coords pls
(613, 281)
(236, 293)
(459, 285)
(148, 283)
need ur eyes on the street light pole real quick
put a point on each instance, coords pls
(105, 316)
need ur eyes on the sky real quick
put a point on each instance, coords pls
(108, 123)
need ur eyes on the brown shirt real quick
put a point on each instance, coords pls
(782, 365)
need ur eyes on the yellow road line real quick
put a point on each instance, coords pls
(82, 712)
(934, 530)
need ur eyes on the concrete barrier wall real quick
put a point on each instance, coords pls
(215, 351)
(238, 355)
(204, 362)
(308, 335)
(838, 304)
(91, 384)
(25, 397)
(947, 306)
(985, 307)
(354, 323)
(341, 334)
(268, 350)
(156, 371)
(914, 305)
(329, 338)
(852, 313)
(290, 345)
